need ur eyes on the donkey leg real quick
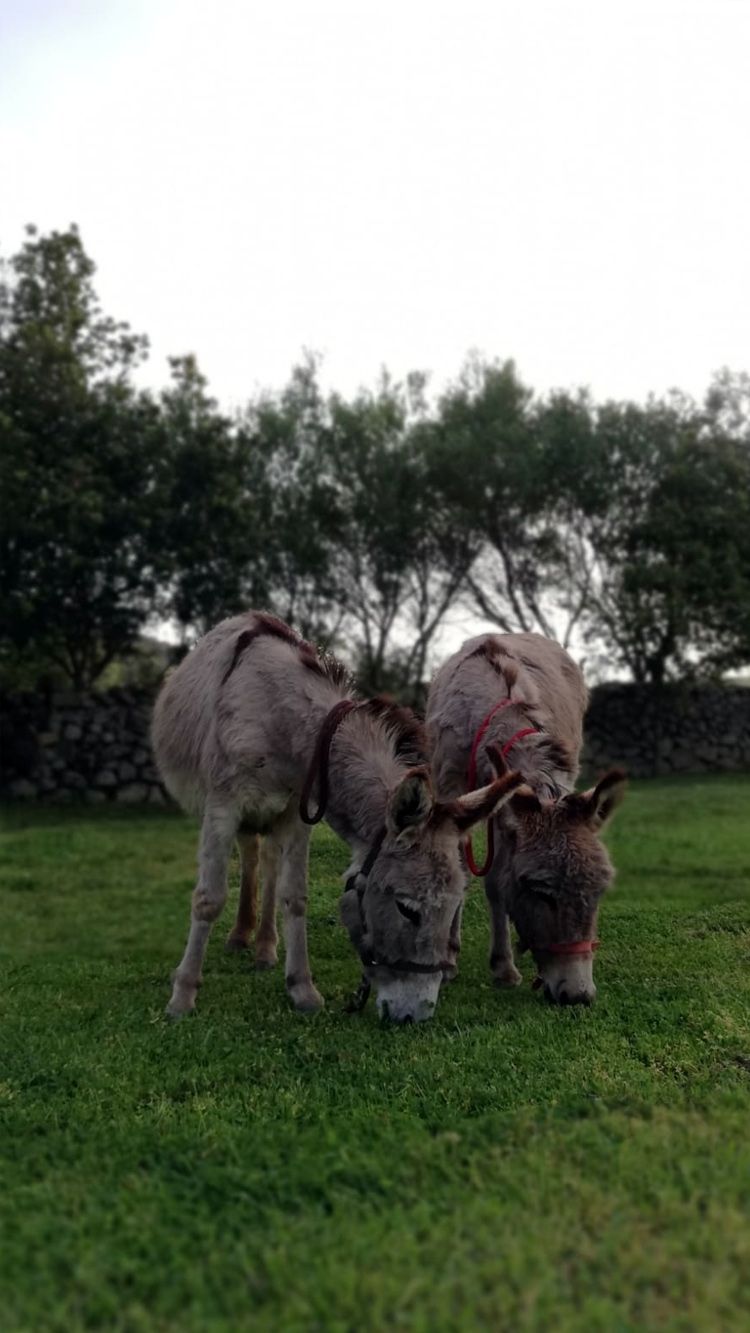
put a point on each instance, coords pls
(293, 893)
(267, 939)
(241, 933)
(454, 946)
(502, 967)
(217, 834)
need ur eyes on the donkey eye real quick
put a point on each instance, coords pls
(410, 913)
(539, 890)
(546, 895)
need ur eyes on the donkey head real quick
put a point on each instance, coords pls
(399, 915)
(558, 871)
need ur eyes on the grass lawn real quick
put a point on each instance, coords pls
(508, 1166)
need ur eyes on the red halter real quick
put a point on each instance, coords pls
(471, 778)
(575, 946)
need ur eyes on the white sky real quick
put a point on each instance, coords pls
(564, 183)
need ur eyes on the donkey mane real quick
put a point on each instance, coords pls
(409, 733)
(323, 664)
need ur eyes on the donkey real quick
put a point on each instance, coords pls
(251, 720)
(522, 694)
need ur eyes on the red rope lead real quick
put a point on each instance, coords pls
(471, 778)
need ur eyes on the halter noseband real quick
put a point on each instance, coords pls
(574, 946)
(586, 947)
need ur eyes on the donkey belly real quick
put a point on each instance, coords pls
(261, 810)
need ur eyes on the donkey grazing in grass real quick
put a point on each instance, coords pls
(243, 730)
(522, 695)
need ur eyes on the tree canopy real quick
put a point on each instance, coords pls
(367, 521)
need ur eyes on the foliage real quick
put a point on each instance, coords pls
(286, 432)
(77, 466)
(397, 570)
(509, 1165)
(207, 536)
(362, 520)
(667, 571)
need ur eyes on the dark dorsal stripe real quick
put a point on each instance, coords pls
(498, 658)
(270, 626)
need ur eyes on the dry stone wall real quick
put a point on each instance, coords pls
(679, 729)
(96, 748)
(73, 747)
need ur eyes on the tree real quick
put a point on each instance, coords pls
(400, 559)
(76, 466)
(501, 469)
(210, 505)
(669, 588)
(285, 433)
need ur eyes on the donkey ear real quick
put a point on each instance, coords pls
(410, 804)
(497, 759)
(524, 800)
(598, 804)
(479, 805)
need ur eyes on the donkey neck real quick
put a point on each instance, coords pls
(364, 769)
(534, 755)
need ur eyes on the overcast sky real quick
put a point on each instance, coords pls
(563, 183)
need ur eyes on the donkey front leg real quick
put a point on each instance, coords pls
(502, 966)
(241, 933)
(217, 834)
(294, 842)
(454, 946)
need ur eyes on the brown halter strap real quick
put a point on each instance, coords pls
(320, 762)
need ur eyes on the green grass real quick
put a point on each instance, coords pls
(508, 1166)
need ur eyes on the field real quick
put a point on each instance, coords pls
(509, 1166)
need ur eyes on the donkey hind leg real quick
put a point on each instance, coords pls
(294, 839)
(454, 945)
(502, 967)
(241, 933)
(217, 835)
(266, 940)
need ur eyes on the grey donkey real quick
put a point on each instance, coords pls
(246, 727)
(521, 695)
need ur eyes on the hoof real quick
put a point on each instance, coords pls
(265, 959)
(306, 999)
(182, 999)
(236, 943)
(507, 976)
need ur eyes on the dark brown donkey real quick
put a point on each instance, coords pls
(252, 729)
(522, 697)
